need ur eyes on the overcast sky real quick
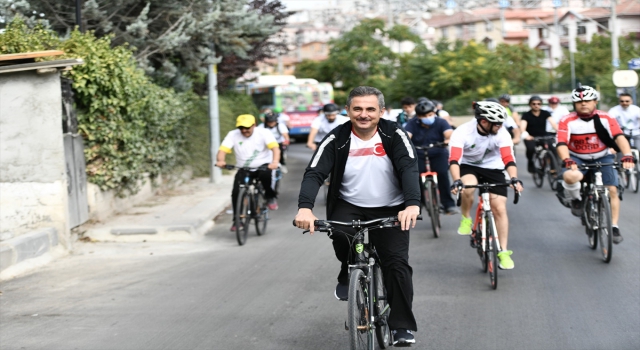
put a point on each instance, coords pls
(305, 4)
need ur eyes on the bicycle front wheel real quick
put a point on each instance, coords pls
(243, 216)
(538, 170)
(604, 228)
(383, 333)
(492, 253)
(358, 321)
(261, 213)
(634, 180)
(589, 219)
(434, 209)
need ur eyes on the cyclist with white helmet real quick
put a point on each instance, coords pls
(585, 136)
(480, 151)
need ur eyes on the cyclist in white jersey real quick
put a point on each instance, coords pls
(480, 150)
(628, 116)
(281, 134)
(323, 124)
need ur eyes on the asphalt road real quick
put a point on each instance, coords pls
(276, 292)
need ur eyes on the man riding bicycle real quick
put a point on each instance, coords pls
(533, 123)
(253, 147)
(323, 124)
(585, 136)
(628, 116)
(374, 174)
(281, 134)
(481, 150)
(427, 129)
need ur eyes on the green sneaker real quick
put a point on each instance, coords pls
(505, 260)
(465, 226)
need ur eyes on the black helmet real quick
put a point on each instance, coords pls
(535, 98)
(423, 100)
(270, 117)
(330, 108)
(425, 107)
(505, 97)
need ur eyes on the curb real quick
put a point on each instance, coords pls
(28, 246)
(197, 221)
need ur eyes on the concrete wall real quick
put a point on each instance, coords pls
(33, 183)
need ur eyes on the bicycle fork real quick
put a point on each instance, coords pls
(486, 208)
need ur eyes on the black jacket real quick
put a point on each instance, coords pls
(331, 158)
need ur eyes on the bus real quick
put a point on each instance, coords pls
(299, 99)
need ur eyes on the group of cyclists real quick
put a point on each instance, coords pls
(375, 169)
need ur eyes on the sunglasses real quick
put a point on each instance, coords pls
(536, 104)
(625, 101)
(241, 128)
(496, 124)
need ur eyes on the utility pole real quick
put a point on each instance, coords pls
(79, 15)
(390, 15)
(615, 51)
(214, 122)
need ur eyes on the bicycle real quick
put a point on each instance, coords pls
(368, 309)
(484, 235)
(430, 190)
(596, 210)
(251, 204)
(631, 177)
(545, 162)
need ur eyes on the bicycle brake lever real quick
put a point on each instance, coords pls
(306, 231)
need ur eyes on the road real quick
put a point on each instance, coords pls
(276, 292)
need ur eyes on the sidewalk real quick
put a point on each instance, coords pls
(185, 213)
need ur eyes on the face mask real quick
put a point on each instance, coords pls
(428, 120)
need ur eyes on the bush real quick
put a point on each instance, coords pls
(130, 125)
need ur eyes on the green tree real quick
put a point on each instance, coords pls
(593, 64)
(173, 40)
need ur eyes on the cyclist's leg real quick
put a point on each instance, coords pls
(392, 245)
(440, 164)
(498, 201)
(468, 177)
(344, 211)
(610, 179)
(282, 160)
(571, 180)
(267, 178)
(531, 150)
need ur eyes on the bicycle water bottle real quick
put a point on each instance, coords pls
(599, 179)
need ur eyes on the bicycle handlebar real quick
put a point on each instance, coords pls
(598, 165)
(486, 186)
(231, 167)
(325, 225)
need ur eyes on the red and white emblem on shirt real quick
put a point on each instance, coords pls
(377, 150)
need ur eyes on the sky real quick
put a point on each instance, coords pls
(305, 4)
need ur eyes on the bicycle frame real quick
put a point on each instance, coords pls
(482, 212)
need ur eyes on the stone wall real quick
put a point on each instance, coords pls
(33, 183)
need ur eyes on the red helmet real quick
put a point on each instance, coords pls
(554, 99)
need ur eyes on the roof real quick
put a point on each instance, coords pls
(24, 61)
(485, 14)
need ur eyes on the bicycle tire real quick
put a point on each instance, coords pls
(243, 215)
(482, 253)
(634, 179)
(436, 195)
(434, 209)
(623, 178)
(538, 171)
(358, 312)
(587, 213)
(604, 228)
(383, 333)
(553, 170)
(492, 254)
(261, 212)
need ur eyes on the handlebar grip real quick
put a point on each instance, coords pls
(516, 198)
(458, 199)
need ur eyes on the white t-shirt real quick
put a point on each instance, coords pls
(509, 122)
(556, 114)
(252, 151)
(283, 118)
(368, 179)
(324, 127)
(278, 130)
(478, 150)
(629, 119)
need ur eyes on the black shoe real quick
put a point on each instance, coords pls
(617, 238)
(342, 292)
(403, 337)
(563, 200)
(576, 207)
(531, 168)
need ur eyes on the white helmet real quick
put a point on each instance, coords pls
(491, 111)
(584, 93)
